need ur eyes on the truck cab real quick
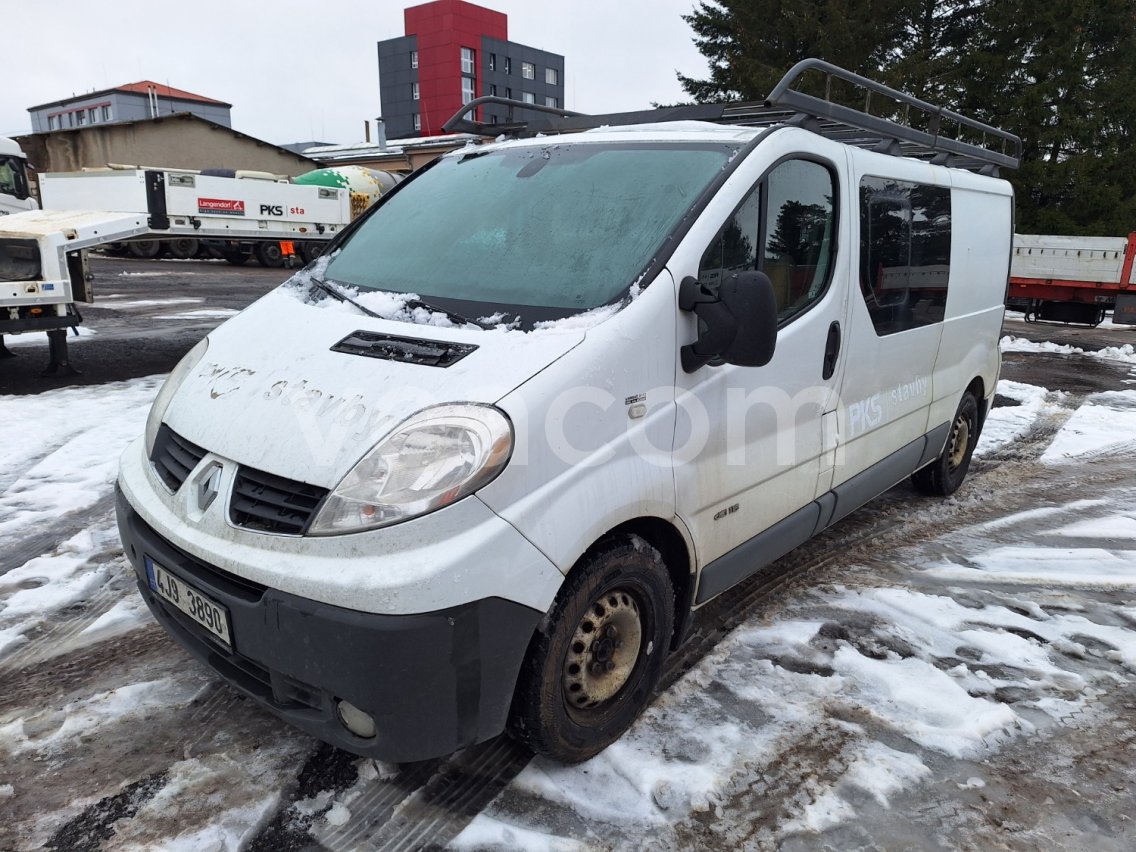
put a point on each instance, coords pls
(15, 188)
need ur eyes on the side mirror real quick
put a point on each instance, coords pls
(737, 324)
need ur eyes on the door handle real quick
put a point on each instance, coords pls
(831, 351)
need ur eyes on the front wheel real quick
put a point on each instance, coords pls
(944, 475)
(594, 664)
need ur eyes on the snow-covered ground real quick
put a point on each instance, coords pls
(946, 674)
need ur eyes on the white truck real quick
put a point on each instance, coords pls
(43, 271)
(15, 188)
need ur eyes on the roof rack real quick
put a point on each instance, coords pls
(912, 127)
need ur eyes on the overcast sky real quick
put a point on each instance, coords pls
(297, 71)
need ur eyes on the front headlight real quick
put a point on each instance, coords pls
(166, 394)
(434, 458)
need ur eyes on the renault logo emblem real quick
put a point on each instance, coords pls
(208, 485)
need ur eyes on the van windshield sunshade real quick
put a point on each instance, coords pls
(431, 353)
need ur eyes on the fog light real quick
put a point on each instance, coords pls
(355, 720)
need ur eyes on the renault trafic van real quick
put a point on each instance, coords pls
(475, 467)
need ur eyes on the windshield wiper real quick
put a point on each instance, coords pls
(450, 315)
(336, 293)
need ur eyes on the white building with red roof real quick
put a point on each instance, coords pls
(130, 102)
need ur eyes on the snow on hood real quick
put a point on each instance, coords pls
(270, 393)
(394, 306)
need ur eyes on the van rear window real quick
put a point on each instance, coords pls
(905, 252)
(568, 226)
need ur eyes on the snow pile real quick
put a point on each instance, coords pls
(148, 303)
(1126, 353)
(218, 313)
(28, 338)
(59, 450)
(1007, 423)
(1105, 423)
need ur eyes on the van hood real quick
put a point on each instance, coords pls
(272, 391)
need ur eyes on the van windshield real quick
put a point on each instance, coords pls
(543, 232)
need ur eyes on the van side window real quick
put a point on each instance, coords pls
(801, 225)
(791, 215)
(905, 252)
(735, 250)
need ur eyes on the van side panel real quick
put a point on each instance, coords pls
(980, 258)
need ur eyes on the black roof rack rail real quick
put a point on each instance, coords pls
(936, 134)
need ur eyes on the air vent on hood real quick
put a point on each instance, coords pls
(412, 350)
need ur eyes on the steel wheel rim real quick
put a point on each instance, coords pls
(960, 439)
(603, 650)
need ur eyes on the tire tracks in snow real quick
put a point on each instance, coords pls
(46, 540)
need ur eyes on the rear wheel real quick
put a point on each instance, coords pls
(183, 248)
(944, 475)
(594, 666)
(310, 250)
(145, 248)
(270, 255)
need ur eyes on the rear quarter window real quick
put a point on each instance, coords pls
(905, 252)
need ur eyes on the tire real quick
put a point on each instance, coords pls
(235, 257)
(269, 255)
(943, 476)
(573, 699)
(183, 248)
(310, 250)
(145, 249)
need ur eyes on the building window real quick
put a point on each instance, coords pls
(508, 65)
(528, 97)
(107, 113)
(414, 91)
(51, 122)
(417, 122)
(528, 70)
(492, 119)
(80, 118)
(493, 89)
(467, 61)
(92, 114)
(551, 101)
(493, 62)
(508, 93)
(467, 90)
(551, 76)
(414, 59)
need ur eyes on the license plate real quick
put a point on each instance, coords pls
(201, 608)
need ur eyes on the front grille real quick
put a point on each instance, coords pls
(269, 503)
(174, 457)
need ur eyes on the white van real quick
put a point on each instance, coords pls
(475, 468)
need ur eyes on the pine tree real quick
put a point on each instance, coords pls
(1060, 74)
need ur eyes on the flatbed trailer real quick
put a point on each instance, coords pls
(1066, 279)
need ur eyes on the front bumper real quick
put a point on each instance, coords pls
(433, 682)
